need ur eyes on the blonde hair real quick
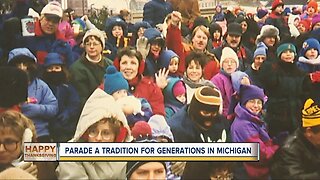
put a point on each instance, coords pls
(201, 28)
(17, 122)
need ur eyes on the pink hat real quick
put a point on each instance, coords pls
(179, 89)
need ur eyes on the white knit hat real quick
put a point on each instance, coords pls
(227, 52)
(97, 33)
(52, 8)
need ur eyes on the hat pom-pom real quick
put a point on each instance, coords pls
(111, 70)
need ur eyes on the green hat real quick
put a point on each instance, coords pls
(286, 46)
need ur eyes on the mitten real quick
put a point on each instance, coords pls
(315, 77)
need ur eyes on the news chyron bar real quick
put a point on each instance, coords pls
(141, 151)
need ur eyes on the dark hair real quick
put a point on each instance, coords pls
(131, 52)
(199, 57)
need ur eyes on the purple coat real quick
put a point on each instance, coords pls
(250, 128)
(223, 82)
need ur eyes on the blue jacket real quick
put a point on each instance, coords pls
(69, 110)
(172, 105)
(185, 130)
(43, 108)
(155, 11)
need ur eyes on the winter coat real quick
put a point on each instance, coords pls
(184, 129)
(99, 105)
(287, 87)
(254, 76)
(171, 103)
(224, 84)
(62, 129)
(87, 76)
(297, 159)
(244, 54)
(41, 44)
(41, 107)
(144, 87)
(251, 128)
(66, 29)
(155, 11)
(174, 42)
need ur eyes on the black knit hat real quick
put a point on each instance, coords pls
(13, 86)
(133, 165)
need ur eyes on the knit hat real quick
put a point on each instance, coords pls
(313, 4)
(52, 9)
(306, 24)
(133, 165)
(97, 33)
(236, 78)
(160, 127)
(268, 31)
(52, 59)
(261, 50)
(141, 129)
(215, 27)
(276, 3)
(179, 89)
(205, 98)
(262, 13)
(310, 114)
(315, 20)
(234, 29)
(114, 80)
(248, 92)
(227, 52)
(310, 43)
(286, 46)
(13, 86)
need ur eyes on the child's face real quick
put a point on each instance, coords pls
(254, 106)
(140, 32)
(229, 65)
(117, 31)
(287, 56)
(102, 132)
(194, 71)
(182, 98)
(311, 54)
(10, 146)
(54, 68)
(119, 94)
(216, 35)
(173, 66)
(259, 59)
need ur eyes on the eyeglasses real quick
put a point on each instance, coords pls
(54, 20)
(10, 145)
(105, 134)
(92, 44)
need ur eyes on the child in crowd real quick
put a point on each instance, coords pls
(216, 35)
(135, 109)
(309, 59)
(42, 105)
(56, 76)
(101, 120)
(248, 126)
(170, 61)
(174, 96)
(229, 64)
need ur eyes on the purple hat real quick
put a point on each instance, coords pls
(261, 13)
(248, 92)
(315, 20)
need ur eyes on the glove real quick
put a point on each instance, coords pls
(280, 138)
(315, 77)
(143, 47)
(177, 168)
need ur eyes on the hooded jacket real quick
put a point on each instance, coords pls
(99, 105)
(155, 11)
(172, 105)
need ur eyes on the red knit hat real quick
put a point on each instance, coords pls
(313, 4)
(179, 89)
(141, 129)
(276, 3)
(306, 24)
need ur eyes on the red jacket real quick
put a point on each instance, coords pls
(174, 42)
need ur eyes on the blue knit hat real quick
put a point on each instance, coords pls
(248, 92)
(52, 59)
(310, 43)
(114, 81)
(261, 50)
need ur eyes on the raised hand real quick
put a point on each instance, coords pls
(162, 78)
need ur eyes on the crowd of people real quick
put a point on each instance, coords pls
(174, 76)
